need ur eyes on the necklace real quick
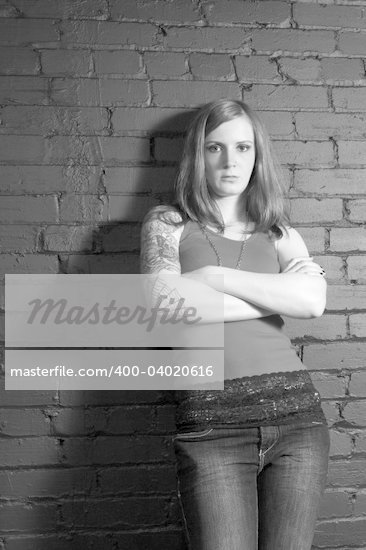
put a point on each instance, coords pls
(213, 246)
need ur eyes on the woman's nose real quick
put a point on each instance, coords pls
(229, 158)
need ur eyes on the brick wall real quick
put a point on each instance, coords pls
(94, 99)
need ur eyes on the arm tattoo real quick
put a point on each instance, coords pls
(159, 249)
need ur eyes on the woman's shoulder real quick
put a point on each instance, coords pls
(168, 215)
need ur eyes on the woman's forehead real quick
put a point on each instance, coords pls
(237, 129)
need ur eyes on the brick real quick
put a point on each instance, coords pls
(163, 538)
(349, 99)
(117, 62)
(293, 40)
(355, 413)
(62, 8)
(23, 31)
(347, 355)
(159, 11)
(335, 505)
(336, 181)
(98, 263)
(82, 208)
(115, 450)
(27, 517)
(50, 482)
(305, 70)
(72, 398)
(128, 208)
(167, 149)
(27, 90)
(103, 33)
(28, 263)
(351, 152)
(329, 16)
(28, 209)
(118, 150)
(328, 327)
(235, 11)
(304, 153)
(334, 268)
(331, 412)
(122, 513)
(360, 441)
(347, 239)
(357, 386)
(98, 93)
(254, 69)
(314, 238)
(23, 422)
(22, 148)
(130, 479)
(50, 120)
(315, 210)
(18, 238)
(360, 504)
(347, 473)
(165, 64)
(352, 42)
(120, 420)
(150, 119)
(341, 532)
(207, 66)
(342, 70)
(139, 179)
(121, 238)
(24, 398)
(340, 444)
(356, 268)
(20, 180)
(32, 451)
(264, 96)
(357, 210)
(329, 385)
(277, 124)
(207, 38)
(22, 61)
(346, 297)
(178, 94)
(357, 324)
(65, 238)
(65, 62)
(326, 125)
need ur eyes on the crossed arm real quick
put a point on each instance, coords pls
(298, 291)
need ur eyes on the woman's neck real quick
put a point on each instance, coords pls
(232, 211)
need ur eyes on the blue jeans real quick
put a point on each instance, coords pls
(252, 488)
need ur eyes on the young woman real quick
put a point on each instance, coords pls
(252, 458)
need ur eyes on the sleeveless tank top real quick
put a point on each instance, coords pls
(259, 343)
(282, 391)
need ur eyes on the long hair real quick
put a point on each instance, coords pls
(264, 201)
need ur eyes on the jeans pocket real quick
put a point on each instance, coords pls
(192, 436)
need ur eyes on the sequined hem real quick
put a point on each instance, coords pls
(275, 398)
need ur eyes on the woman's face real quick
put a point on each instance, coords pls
(229, 157)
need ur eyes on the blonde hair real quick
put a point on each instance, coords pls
(265, 201)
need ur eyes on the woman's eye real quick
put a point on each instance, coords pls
(243, 148)
(213, 148)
